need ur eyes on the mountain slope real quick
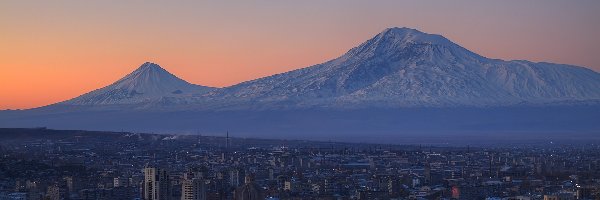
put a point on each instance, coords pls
(403, 67)
(148, 84)
(399, 67)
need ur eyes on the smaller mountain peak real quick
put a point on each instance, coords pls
(150, 68)
(149, 65)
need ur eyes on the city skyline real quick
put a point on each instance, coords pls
(289, 100)
(50, 47)
(82, 165)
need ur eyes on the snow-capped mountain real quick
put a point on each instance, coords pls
(399, 67)
(402, 82)
(148, 84)
(403, 67)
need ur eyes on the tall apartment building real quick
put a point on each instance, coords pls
(157, 185)
(193, 187)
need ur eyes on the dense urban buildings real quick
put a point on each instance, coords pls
(49, 164)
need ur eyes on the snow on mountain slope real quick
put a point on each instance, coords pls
(403, 67)
(148, 84)
(399, 67)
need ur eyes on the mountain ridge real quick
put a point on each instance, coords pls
(399, 67)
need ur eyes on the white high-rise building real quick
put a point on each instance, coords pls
(193, 187)
(157, 185)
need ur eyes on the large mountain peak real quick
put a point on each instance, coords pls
(404, 43)
(407, 67)
(408, 35)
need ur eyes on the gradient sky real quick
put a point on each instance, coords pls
(52, 51)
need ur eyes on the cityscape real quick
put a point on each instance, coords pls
(51, 164)
(300, 100)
